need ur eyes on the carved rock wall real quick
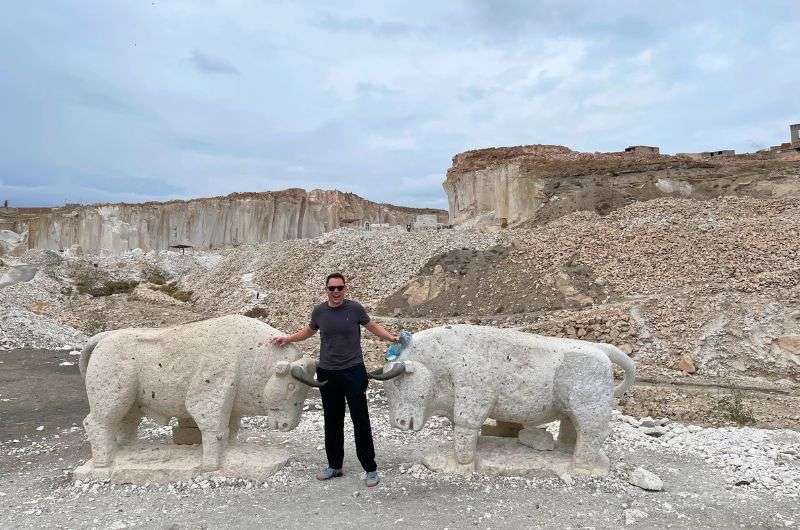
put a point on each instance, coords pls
(539, 183)
(240, 218)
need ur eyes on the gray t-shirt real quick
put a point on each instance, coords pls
(340, 334)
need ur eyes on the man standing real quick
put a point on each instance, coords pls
(341, 364)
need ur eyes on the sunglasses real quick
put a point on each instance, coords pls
(333, 288)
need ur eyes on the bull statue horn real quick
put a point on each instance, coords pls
(300, 374)
(394, 371)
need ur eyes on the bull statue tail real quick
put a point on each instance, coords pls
(86, 352)
(619, 358)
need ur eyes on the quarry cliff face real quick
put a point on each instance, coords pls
(236, 219)
(538, 183)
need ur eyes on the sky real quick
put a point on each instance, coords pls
(129, 101)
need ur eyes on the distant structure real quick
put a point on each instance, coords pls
(793, 143)
(183, 245)
(642, 149)
(713, 154)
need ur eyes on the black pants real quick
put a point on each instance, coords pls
(348, 385)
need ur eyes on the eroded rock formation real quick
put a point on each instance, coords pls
(539, 183)
(239, 218)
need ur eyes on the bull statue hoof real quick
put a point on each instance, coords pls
(519, 380)
(598, 466)
(446, 461)
(193, 368)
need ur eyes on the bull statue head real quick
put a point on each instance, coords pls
(286, 391)
(409, 390)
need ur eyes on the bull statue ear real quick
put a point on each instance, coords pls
(282, 368)
(310, 365)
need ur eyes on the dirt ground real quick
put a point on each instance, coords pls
(41, 442)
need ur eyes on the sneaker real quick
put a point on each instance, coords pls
(329, 473)
(371, 480)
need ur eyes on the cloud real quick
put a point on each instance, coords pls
(360, 24)
(713, 62)
(206, 64)
(373, 98)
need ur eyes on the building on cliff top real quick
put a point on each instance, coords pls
(724, 152)
(793, 143)
(642, 149)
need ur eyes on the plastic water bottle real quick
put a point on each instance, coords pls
(393, 352)
(396, 348)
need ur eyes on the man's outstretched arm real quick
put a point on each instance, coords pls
(301, 334)
(379, 331)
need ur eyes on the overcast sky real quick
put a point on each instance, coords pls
(150, 100)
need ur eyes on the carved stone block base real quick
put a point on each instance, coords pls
(151, 462)
(500, 456)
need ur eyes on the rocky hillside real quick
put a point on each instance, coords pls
(705, 295)
(537, 183)
(239, 218)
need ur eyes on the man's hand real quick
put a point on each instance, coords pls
(301, 334)
(281, 341)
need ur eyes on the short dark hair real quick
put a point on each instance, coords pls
(335, 275)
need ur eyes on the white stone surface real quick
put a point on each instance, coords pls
(471, 373)
(633, 515)
(646, 480)
(160, 463)
(500, 456)
(210, 222)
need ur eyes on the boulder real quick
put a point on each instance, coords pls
(647, 480)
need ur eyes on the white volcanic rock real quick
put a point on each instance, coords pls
(646, 480)
(236, 219)
(543, 182)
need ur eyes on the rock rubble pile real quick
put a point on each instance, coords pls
(71, 296)
(280, 282)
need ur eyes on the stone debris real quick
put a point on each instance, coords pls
(646, 480)
(763, 459)
(50, 311)
(20, 328)
(280, 282)
(632, 516)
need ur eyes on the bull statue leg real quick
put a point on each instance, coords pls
(590, 416)
(589, 458)
(110, 400)
(209, 401)
(471, 408)
(233, 428)
(587, 407)
(566, 435)
(130, 424)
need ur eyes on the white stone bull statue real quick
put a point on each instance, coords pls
(212, 372)
(471, 373)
